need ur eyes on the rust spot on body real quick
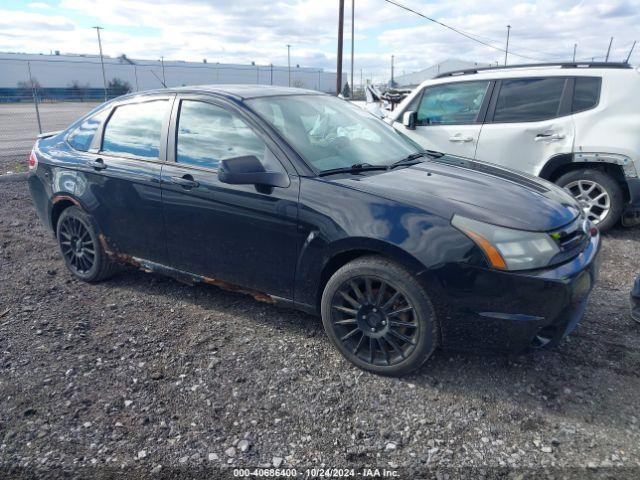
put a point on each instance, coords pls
(59, 198)
(183, 277)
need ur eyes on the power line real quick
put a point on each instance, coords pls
(461, 32)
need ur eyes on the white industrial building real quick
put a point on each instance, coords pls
(62, 71)
(449, 65)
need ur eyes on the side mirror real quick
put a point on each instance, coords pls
(248, 170)
(409, 119)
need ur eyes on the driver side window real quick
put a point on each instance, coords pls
(452, 104)
(207, 134)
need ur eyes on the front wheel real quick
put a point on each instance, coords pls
(379, 316)
(598, 194)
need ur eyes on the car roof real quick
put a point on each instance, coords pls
(238, 92)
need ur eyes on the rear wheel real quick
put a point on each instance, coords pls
(599, 195)
(79, 244)
(379, 317)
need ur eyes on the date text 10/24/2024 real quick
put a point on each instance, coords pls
(316, 472)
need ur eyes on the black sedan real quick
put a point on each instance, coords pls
(298, 197)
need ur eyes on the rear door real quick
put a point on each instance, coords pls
(528, 122)
(121, 185)
(242, 234)
(449, 117)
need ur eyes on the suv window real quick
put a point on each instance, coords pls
(456, 103)
(529, 99)
(82, 136)
(135, 129)
(208, 134)
(586, 93)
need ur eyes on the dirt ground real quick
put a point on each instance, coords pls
(145, 376)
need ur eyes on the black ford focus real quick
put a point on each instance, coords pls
(301, 198)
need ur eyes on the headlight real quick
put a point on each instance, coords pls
(509, 249)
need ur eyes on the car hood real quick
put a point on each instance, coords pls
(482, 191)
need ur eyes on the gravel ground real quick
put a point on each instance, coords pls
(145, 376)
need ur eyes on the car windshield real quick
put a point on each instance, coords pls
(330, 133)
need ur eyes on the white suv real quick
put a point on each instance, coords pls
(577, 125)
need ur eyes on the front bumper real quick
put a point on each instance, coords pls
(486, 309)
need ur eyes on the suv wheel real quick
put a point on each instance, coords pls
(599, 195)
(379, 317)
(83, 254)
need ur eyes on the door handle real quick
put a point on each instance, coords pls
(97, 164)
(186, 181)
(460, 139)
(549, 136)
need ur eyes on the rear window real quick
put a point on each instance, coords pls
(135, 129)
(529, 99)
(82, 136)
(586, 93)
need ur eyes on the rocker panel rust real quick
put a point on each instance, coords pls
(185, 277)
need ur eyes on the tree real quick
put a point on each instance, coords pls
(117, 86)
(346, 91)
(77, 90)
(26, 87)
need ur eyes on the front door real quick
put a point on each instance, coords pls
(449, 117)
(242, 234)
(528, 123)
(121, 185)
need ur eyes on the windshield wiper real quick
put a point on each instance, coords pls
(356, 167)
(415, 158)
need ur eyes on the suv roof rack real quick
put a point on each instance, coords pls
(470, 71)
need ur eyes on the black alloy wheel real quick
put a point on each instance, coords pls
(80, 246)
(379, 316)
(375, 320)
(77, 245)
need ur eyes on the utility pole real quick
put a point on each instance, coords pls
(353, 10)
(164, 80)
(340, 37)
(361, 84)
(271, 73)
(575, 46)
(609, 50)
(289, 62)
(630, 52)
(391, 82)
(506, 50)
(104, 77)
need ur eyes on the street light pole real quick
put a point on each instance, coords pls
(506, 50)
(289, 62)
(575, 47)
(392, 82)
(340, 38)
(353, 11)
(104, 76)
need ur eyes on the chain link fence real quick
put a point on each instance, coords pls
(42, 94)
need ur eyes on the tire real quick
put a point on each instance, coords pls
(380, 322)
(78, 236)
(577, 181)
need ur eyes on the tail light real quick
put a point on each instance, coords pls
(33, 160)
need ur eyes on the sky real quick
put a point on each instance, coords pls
(244, 31)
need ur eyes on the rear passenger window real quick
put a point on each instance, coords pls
(135, 129)
(529, 99)
(82, 136)
(451, 104)
(586, 93)
(208, 134)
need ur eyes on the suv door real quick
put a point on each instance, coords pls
(242, 234)
(529, 121)
(121, 188)
(449, 117)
